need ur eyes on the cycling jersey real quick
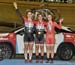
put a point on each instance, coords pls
(29, 30)
(39, 31)
(50, 34)
(29, 26)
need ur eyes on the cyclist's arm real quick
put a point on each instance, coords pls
(18, 11)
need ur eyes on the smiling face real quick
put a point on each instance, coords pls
(29, 15)
(40, 17)
(49, 17)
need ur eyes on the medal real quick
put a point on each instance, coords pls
(49, 27)
(29, 30)
(39, 32)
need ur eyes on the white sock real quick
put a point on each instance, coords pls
(25, 55)
(30, 56)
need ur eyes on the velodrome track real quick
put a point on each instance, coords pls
(65, 11)
(21, 62)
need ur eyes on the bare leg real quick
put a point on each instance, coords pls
(25, 50)
(42, 49)
(52, 52)
(37, 52)
(48, 52)
(42, 52)
(30, 50)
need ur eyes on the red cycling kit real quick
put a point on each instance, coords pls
(50, 32)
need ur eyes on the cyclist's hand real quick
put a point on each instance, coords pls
(61, 20)
(15, 5)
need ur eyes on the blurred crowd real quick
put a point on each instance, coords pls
(60, 1)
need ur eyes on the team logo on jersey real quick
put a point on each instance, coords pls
(29, 26)
(40, 27)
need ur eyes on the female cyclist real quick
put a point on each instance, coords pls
(28, 33)
(50, 36)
